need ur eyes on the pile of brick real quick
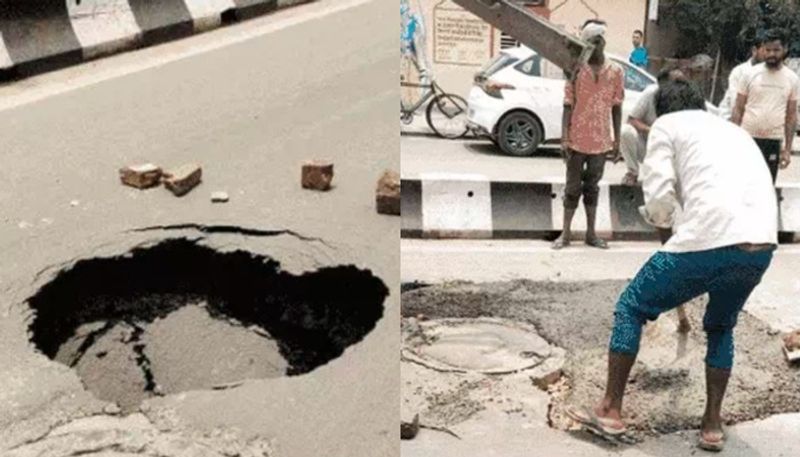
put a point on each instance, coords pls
(179, 181)
(315, 175)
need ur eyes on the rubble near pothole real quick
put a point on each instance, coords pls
(667, 388)
(181, 316)
(453, 367)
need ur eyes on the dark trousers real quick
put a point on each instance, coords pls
(584, 172)
(772, 154)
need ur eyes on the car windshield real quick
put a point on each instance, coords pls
(501, 61)
(635, 79)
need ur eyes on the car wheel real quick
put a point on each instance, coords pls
(519, 134)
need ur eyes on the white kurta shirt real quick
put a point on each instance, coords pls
(707, 179)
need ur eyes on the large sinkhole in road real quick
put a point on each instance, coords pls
(180, 316)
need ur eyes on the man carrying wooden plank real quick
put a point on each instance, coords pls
(592, 101)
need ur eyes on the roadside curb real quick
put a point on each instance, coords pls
(44, 35)
(461, 206)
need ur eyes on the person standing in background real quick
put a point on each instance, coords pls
(592, 110)
(728, 101)
(766, 104)
(633, 144)
(639, 55)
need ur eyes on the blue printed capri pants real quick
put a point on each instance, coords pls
(667, 280)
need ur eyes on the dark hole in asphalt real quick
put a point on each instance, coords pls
(180, 316)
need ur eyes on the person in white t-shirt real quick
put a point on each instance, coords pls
(704, 178)
(633, 135)
(766, 105)
(756, 57)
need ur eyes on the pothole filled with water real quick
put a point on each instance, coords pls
(666, 390)
(181, 316)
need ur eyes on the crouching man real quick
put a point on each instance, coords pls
(714, 174)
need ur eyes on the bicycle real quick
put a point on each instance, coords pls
(446, 113)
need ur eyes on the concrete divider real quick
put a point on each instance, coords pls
(471, 206)
(38, 35)
(209, 14)
(103, 26)
(163, 20)
(41, 35)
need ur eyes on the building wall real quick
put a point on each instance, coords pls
(622, 16)
(446, 23)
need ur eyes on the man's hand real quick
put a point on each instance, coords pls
(786, 158)
(565, 148)
(615, 155)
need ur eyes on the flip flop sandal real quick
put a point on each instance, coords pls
(598, 425)
(559, 244)
(713, 446)
(597, 243)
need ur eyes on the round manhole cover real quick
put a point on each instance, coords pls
(485, 345)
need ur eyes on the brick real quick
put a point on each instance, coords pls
(792, 341)
(141, 176)
(387, 195)
(317, 175)
(183, 179)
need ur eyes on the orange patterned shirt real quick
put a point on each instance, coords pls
(590, 129)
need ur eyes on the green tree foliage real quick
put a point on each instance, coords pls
(731, 26)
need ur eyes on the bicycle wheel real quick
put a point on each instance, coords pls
(447, 116)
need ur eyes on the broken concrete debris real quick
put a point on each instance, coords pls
(317, 175)
(409, 430)
(183, 179)
(791, 346)
(141, 176)
(387, 195)
(219, 197)
(544, 381)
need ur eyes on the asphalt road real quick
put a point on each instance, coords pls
(423, 153)
(249, 103)
(508, 435)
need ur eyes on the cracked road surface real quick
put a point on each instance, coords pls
(250, 113)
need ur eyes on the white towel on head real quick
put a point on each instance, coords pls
(592, 30)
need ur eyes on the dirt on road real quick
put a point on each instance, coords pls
(666, 392)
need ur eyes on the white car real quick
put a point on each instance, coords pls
(518, 99)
